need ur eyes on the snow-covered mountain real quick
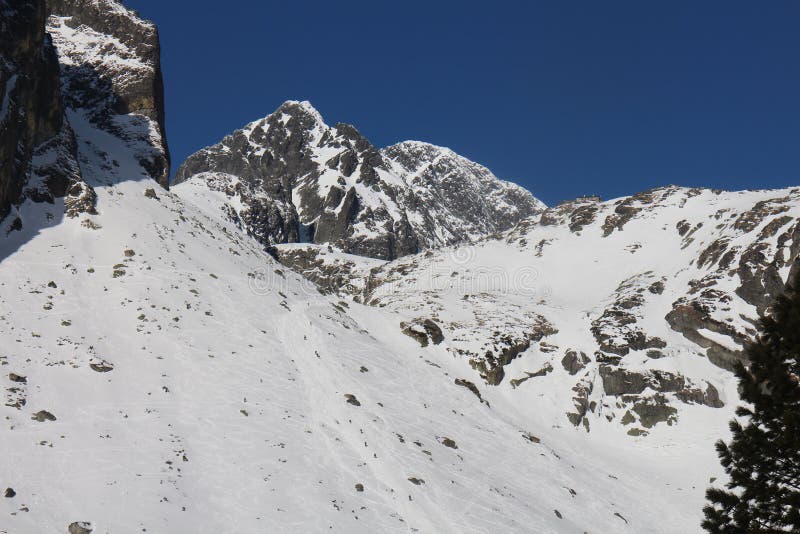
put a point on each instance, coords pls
(439, 353)
(163, 373)
(621, 312)
(290, 178)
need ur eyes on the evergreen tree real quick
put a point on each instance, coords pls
(763, 457)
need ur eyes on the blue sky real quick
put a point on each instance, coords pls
(564, 97)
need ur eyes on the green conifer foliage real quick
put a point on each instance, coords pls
(763, 456)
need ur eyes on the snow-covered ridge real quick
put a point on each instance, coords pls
(309, 181)
(625, 312)
(494, 365)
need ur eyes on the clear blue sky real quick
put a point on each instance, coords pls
(564, 97)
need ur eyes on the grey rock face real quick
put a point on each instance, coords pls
(574, 363)
(62, 61)
(111, 74)
(31, 115)
(469, 196)
(302, 181)
(617, 330)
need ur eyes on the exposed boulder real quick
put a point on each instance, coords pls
(425, 331)
(42, 416)
(654, 410)
(80, 527)
(574, 362)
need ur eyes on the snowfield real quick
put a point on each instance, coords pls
(198, 386)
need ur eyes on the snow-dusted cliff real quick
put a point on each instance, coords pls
(291, 178)
(81, 91)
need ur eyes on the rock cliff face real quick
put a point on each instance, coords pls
(31, 114)
(290, 178)
(82, 102)
(111, 74)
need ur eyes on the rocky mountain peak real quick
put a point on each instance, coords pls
(465, 340)
(302, 111)
(298, 180)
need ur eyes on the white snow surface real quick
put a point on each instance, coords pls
(226, 407)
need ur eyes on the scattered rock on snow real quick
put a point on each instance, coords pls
(42, 416)
(470, 386)
(102, 367)
(531, 438)
(447, 442)
(351, 399)
(80, 527)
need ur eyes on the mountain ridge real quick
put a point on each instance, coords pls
(332, 184)
(309, 333)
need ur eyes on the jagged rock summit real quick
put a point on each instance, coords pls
(290, 178)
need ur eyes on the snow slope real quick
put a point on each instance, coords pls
(198, 386)
(625, 313)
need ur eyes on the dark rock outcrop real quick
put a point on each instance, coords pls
(617, 330)
(505, 348)
(62, 61)
(118, 74)
(424, 331)
(80, 527)
(31, 113)
(573, 362)
(691, 316)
